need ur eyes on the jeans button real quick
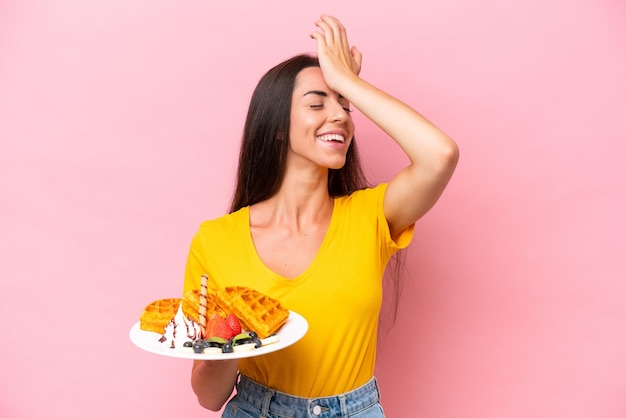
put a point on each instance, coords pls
(317, 410)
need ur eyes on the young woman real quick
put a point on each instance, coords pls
(305, 229)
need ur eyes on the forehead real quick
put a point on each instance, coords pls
(309, 78)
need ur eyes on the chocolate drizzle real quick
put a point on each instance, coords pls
(192, 333)
(192, 329)
(173, 322)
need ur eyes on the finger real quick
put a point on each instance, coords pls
(325, 30)
(338, 31)
(319, 39)
(358, 58)
(356, 54)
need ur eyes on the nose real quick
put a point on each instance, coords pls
(337, 113)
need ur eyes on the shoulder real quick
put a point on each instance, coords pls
(370, 196)
(225, 223)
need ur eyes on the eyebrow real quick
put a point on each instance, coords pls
(318, 92)
(321, 93)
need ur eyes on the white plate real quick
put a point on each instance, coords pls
(293, 330)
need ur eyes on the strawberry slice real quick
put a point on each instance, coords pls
(234, 324)
(217, 327)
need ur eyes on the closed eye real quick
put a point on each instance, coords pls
(323, 94)
(319, 106)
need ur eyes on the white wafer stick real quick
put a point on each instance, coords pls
(204, 288)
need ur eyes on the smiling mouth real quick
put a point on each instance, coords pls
(332, 138)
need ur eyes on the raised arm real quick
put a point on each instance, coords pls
(432, 154)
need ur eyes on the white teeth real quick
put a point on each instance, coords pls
(331, 137)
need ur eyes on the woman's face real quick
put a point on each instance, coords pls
(321, 127)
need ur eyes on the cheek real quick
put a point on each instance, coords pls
(300, 122)
(304, 127)
(351, 127)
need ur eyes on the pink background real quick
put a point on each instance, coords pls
(120, 124)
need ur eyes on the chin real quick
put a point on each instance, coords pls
(337, 165)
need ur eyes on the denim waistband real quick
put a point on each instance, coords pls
(274, 402)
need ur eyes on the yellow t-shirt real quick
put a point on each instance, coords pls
(339, 294)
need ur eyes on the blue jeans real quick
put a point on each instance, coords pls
(254, 400)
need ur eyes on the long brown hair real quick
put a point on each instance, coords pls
(264, 147)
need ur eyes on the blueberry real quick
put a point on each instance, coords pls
(198, 346)
(252, 334)
(257, 342)
(187, 344)
(227, 348)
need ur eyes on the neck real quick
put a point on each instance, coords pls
(301, 203)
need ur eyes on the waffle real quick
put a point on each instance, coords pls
(257, 312)
(158, 314)
(191, 305)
